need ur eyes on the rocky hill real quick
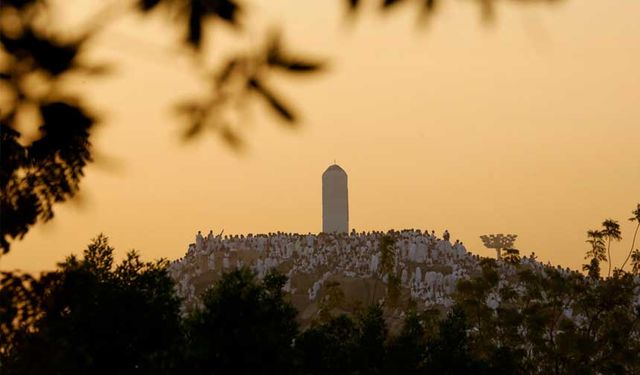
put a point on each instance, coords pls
(339, 271)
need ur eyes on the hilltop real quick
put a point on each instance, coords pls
(343, 272)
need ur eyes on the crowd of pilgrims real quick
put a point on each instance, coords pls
(429, 266)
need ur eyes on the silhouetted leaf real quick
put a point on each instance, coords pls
(388, 3)
(487, 10)
(64, 122)
(277, 58)
(429, 4)
(187, 108)
(273, 101)
(19, 4)
(353, 4)
(225, 73)
(295, 65)
(147, 5)
(224, 9)
(53, 56)
(194, 34)
(231, 138)
(95, 69)
(428, 8)
(273, 47)
(193, 111)
(47, 171)
(194, 129)
(13, 154)
(302, 66)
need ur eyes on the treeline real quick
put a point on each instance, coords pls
(92, 316)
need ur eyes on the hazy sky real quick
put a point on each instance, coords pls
(529, 125)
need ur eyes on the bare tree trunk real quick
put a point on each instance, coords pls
(632, 245)
(609, 255)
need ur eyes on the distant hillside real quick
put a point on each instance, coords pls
(339, 271)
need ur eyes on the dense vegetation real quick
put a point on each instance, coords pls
(91, 316)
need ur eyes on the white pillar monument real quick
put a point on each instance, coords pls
(335, 200)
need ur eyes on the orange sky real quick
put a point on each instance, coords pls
(529, 126)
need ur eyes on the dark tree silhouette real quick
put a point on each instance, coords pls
(243, 327)
(450, 352)
(388, 271)
(344, 345)
(635, 262)
(328, 348)
(597, 253)
(406, 352)
(333, 299)
(36, 175)
(91, 317)
(560, 322)
(370, 355)
(511, 255)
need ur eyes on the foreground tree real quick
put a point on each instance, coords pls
(611, 231)
(512, 256)
(333, 299)
(328, 348)
(406, 352)
(345, 345)
(552, 321)
(635, 262)
(91, 317)
(636, 218)
(388, 271)
(243, 327)
(450, 352)
(597, 253)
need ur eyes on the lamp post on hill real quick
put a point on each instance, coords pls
(498, 242)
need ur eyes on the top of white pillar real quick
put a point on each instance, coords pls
(335, 168)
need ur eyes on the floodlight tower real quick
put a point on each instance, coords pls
(498, 242)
